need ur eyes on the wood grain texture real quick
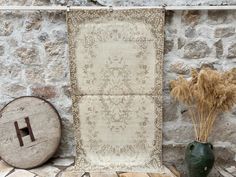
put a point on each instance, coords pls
(103, 175)
(174, 171)
(133, 175)
(18, 147)
(158, 175)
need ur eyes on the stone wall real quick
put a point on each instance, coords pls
(34, 61)
(195, 39)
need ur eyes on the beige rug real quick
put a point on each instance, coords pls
(116, 77)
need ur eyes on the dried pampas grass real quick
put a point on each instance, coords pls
(207, 93)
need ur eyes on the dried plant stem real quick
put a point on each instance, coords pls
(193, 117)
(208, 93)
(206, 125)
(210, 125)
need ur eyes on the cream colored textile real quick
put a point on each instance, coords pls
(116, 78)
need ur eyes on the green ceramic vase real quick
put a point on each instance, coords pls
(199, 159)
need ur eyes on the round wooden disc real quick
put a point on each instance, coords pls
(30, 132)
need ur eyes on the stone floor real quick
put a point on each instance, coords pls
(63, 167)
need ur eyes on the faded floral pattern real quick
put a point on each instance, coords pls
(116, 78)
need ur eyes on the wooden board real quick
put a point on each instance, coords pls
(133, 175)
(103, 174)
(158, 175)
(30, 132)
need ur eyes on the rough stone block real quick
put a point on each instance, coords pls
(5, 169)
(2, 50)
(219, 48)
(196, 50)
(21, 173)
(33, 21)
(34, 75)
(27, 55)
(191, 17)
(224, 32)
(46, 171)
(217, 17)
(6, 28)
(46, 92)
(232, 51)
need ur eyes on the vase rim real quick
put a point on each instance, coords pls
(201, 142)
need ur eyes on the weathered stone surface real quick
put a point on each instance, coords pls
(46, 92)
(173, 154)
(2, 49)
(170, 32)
(57, 17)
(169, 77)
(21, 173)
(27, 55)
(78, 2)
(12, 42)
(207, 65)
(231, 170)
(54, 48)
(34, 75)
(4, 169)
(169, 16)
(28, 37)
(169, 44)
(11, 15)
(46, 171)
(185, 114)
(170, 109)
(60, 35)
(42, 2)
(67, 146)
(196, 50)
(179, 68)
(19, 3)
(223, 172)
(219, 48)
(67, 91)
(179, 132)
(226, 125)
(215, 173)
(166, 2)
(71, 172)
(57, 71)
(190, 32)
(232, 51)
(224, 155)
(224, 32)
(33, 21)
(12, 71)
(61, 2)
(6, 28)
(64, 108)
(205, 32)
(65, 162)
(50, 27)
(43, 36)
(191, 17)
(181, 42)
(13, 89)
(217, 17)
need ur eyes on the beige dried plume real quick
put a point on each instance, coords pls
(207, 93)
